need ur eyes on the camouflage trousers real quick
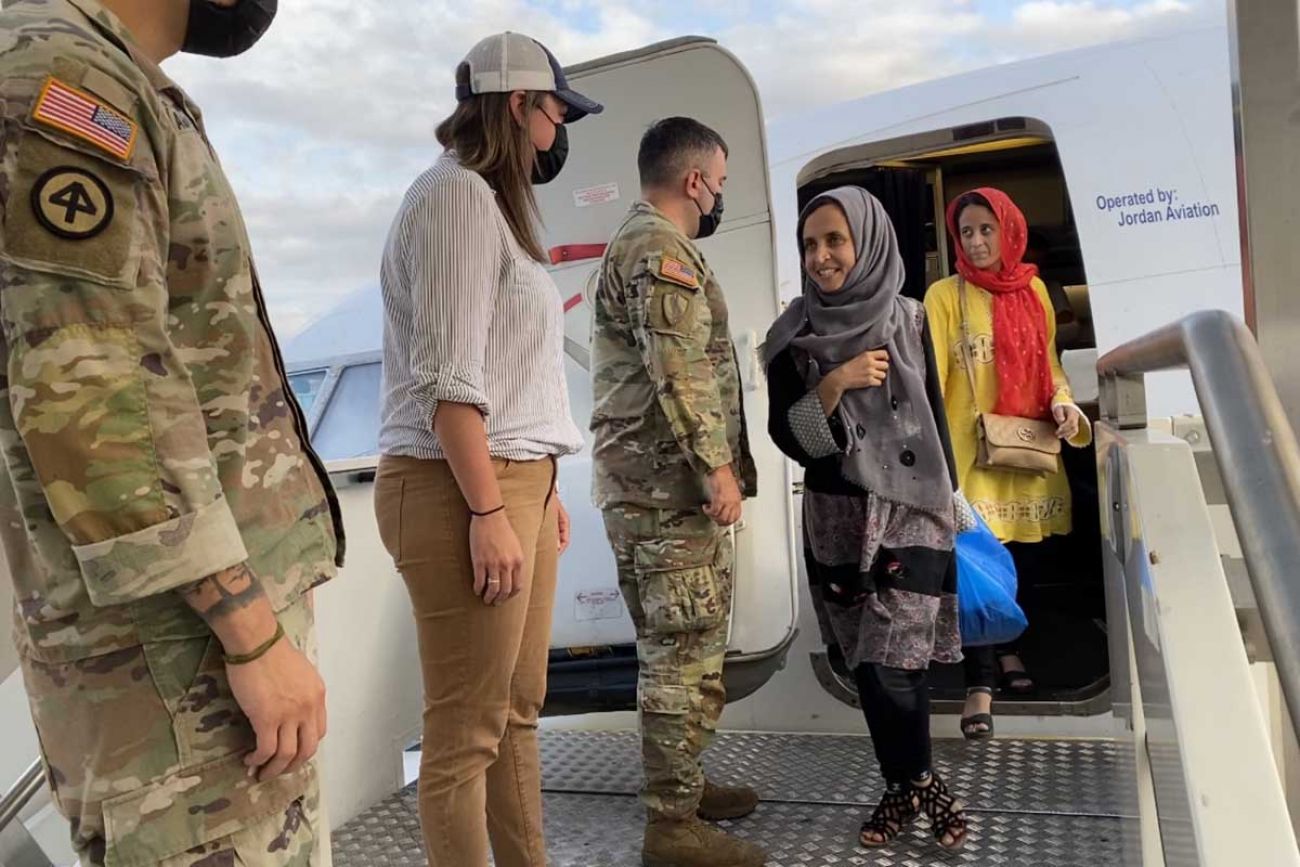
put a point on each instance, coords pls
(674, 568)
(144, 752)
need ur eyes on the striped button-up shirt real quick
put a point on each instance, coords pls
(470, 318)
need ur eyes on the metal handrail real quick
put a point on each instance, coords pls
(21, 793)
(1256, 450)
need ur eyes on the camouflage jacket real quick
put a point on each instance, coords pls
(149, 434)
(667, 405)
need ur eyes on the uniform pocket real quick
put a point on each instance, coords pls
(665, 699)
(176, 666)
(195, 807)
(679, 586)
(207, 720)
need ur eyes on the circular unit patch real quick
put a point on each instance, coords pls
(72, 203)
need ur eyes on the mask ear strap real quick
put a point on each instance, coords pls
(705, 183)
(698, 206)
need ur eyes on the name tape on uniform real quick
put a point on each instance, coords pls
(86, 117)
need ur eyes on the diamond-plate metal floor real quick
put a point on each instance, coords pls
(1032, 803)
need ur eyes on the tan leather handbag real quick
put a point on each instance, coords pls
(1007, 442)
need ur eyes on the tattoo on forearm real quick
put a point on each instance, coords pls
(224, 593)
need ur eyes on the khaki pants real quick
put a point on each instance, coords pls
(145, 751)
(674, 568)
(484, 666)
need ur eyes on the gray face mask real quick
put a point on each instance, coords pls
(218, 31)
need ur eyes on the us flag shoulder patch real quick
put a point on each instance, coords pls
(679, 272)
(87, 117)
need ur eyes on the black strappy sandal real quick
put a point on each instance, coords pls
(947, 814)
(969, 723)
(896, 810)
(1016, 682)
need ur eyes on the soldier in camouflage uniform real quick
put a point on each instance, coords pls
(163, 516)
(671, 465)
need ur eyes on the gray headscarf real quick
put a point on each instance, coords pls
(870, 313)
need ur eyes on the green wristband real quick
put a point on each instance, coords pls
(258, 652)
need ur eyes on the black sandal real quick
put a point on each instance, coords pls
(969, 723)
(947, 814)
(1015, 682)
(896, 810)
(969, 730)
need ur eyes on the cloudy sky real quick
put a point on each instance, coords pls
(325, 123)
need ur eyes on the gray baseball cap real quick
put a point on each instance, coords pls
(507, 62)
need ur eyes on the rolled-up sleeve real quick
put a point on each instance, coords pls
(454, 260)
(115, 433)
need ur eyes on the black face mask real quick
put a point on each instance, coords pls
(709, 222)
(216, 31)
(550, 162)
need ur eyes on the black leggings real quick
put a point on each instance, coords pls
(1034, 562)
(896, 704)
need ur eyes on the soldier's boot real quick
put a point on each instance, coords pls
(693, 843)
(727, 802)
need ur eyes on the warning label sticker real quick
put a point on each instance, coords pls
(602, 604)
(600, 195)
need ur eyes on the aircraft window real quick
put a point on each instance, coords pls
(306, 387)
(350, 426)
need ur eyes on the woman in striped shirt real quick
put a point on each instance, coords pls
(475, 415)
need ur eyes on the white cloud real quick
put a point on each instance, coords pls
(324, 124)
(327, 121)
(815, 54)
(1051, 25)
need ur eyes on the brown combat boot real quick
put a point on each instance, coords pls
(727, 802)
(693, 843)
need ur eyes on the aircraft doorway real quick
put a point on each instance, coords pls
(915, 178)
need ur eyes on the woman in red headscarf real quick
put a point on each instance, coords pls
(1012, 346)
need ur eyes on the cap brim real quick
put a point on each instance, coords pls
(579, 105)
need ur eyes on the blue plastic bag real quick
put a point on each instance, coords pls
(986, 589)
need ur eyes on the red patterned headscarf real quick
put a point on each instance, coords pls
(1025, 386)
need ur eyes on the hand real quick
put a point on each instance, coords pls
(867, 370)
(563, 516)
(497, 557)
(1067, 417)
(284, 698)
(724, 497)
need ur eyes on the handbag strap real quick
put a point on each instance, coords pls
(968, 355)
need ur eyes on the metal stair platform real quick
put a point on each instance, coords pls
(1036, 803)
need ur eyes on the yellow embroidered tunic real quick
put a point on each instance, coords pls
(1018, 507)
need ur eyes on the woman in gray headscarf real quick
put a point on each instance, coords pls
(855, 401)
